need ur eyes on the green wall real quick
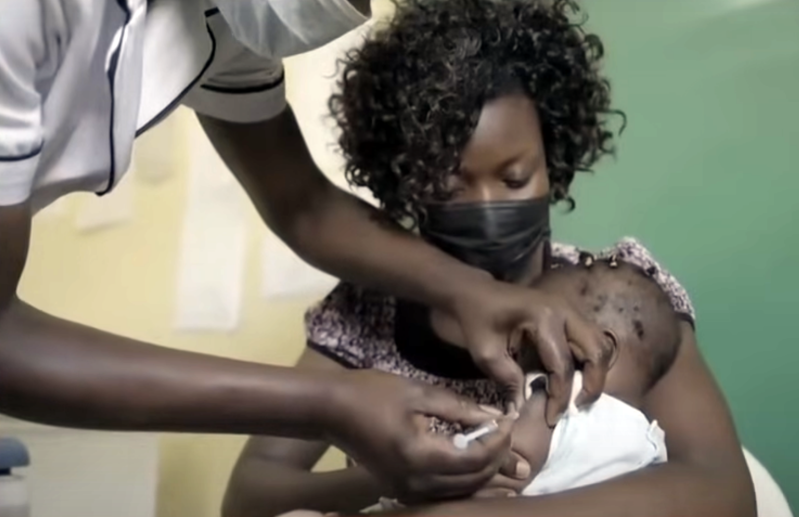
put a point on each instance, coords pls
(707, 177)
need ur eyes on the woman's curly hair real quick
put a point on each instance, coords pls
(411, 96)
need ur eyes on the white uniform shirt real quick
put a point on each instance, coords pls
(80, 79)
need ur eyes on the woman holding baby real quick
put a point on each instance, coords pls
(468, 119)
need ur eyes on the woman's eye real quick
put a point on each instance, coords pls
(516, 184)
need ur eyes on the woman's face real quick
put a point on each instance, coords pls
(505, 158)
(503, 161)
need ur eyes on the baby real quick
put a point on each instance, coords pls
(613, 436)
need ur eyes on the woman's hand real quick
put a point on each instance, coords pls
(383, 420)
(494, 319)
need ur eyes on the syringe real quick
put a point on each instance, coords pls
(462, 441)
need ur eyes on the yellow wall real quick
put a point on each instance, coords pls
(122, 279)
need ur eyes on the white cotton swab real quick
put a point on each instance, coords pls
(462, 441)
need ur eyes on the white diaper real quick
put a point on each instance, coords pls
(603, 441)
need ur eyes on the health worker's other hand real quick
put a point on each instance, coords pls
(383, 422)
(496, 319)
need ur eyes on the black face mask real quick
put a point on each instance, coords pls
(499, 236)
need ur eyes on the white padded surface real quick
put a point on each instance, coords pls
(771, 501)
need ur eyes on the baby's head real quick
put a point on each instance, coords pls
(631, 307)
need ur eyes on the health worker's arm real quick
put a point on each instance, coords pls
(61, 373)
(273, 475)
(329, 228)
(57, 372)
(344, 236)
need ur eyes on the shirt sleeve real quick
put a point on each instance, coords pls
(245, 81)
(21, 132)
(283, 28)
(240, 85)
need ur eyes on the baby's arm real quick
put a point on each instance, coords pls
(531, 438)
(531, 434)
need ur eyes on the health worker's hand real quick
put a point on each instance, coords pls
(383, 422)
(494, 320)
